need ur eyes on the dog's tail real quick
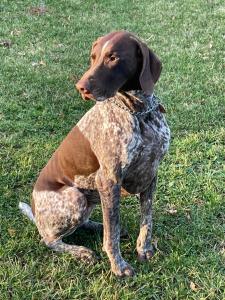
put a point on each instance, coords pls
(26, 210)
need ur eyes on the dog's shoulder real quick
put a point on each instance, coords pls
(106, 121)
(110, 132)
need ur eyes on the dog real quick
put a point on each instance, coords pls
(114, 149)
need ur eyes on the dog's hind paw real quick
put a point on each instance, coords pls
(87, 255)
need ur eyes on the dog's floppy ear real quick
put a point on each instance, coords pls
(151, 68)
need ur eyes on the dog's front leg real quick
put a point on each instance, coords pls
(109, 191)
(144, 246)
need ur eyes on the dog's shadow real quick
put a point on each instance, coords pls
(90, 238)
(85, 237)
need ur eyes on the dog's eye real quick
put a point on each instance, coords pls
(113, 58)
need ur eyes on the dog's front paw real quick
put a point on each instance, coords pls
(122, 269)
(145, 254)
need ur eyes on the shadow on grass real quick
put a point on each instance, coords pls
(84, 237)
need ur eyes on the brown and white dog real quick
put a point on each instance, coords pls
(115, 148)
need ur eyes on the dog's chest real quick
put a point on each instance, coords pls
(155, 136)
(152, 137)
(123, 141)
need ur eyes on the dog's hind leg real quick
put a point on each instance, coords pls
(93, 226)
(58, 214)
(78, 252)
(97, 226)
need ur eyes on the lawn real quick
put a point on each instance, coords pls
(43, 51)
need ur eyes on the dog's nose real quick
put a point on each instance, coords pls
(83, 87)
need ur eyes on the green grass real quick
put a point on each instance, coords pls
(38, 106)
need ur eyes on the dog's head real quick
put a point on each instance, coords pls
(119, 61)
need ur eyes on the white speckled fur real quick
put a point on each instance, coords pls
(119, 134)
(129, 150)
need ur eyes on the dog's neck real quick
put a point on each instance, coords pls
(135, 100)
(131, 100)
(137, 103)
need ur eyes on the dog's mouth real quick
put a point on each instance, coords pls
(91, 91)
(102, 95)
(101, 98)
(97, 98)
(87, 96)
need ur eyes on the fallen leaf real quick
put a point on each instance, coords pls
(168, 237)
(34, 64)
(6, 43)
(222, 248)
(172, 211)
(193, 286)
(188, 216)
(42, 63)
(210, 45)
(59, 45)
(187, 209)
(15, 32)
(38, 10)
(222, 251)
(12, 232)
(199, 202)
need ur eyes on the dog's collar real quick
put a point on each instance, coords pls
(152, 103)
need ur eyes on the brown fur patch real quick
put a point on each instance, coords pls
(73, 157)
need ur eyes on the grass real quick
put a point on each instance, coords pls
(38, 106)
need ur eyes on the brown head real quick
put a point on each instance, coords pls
(119, 62)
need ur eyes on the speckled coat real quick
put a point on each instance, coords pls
(113, 147)
(125, 142)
